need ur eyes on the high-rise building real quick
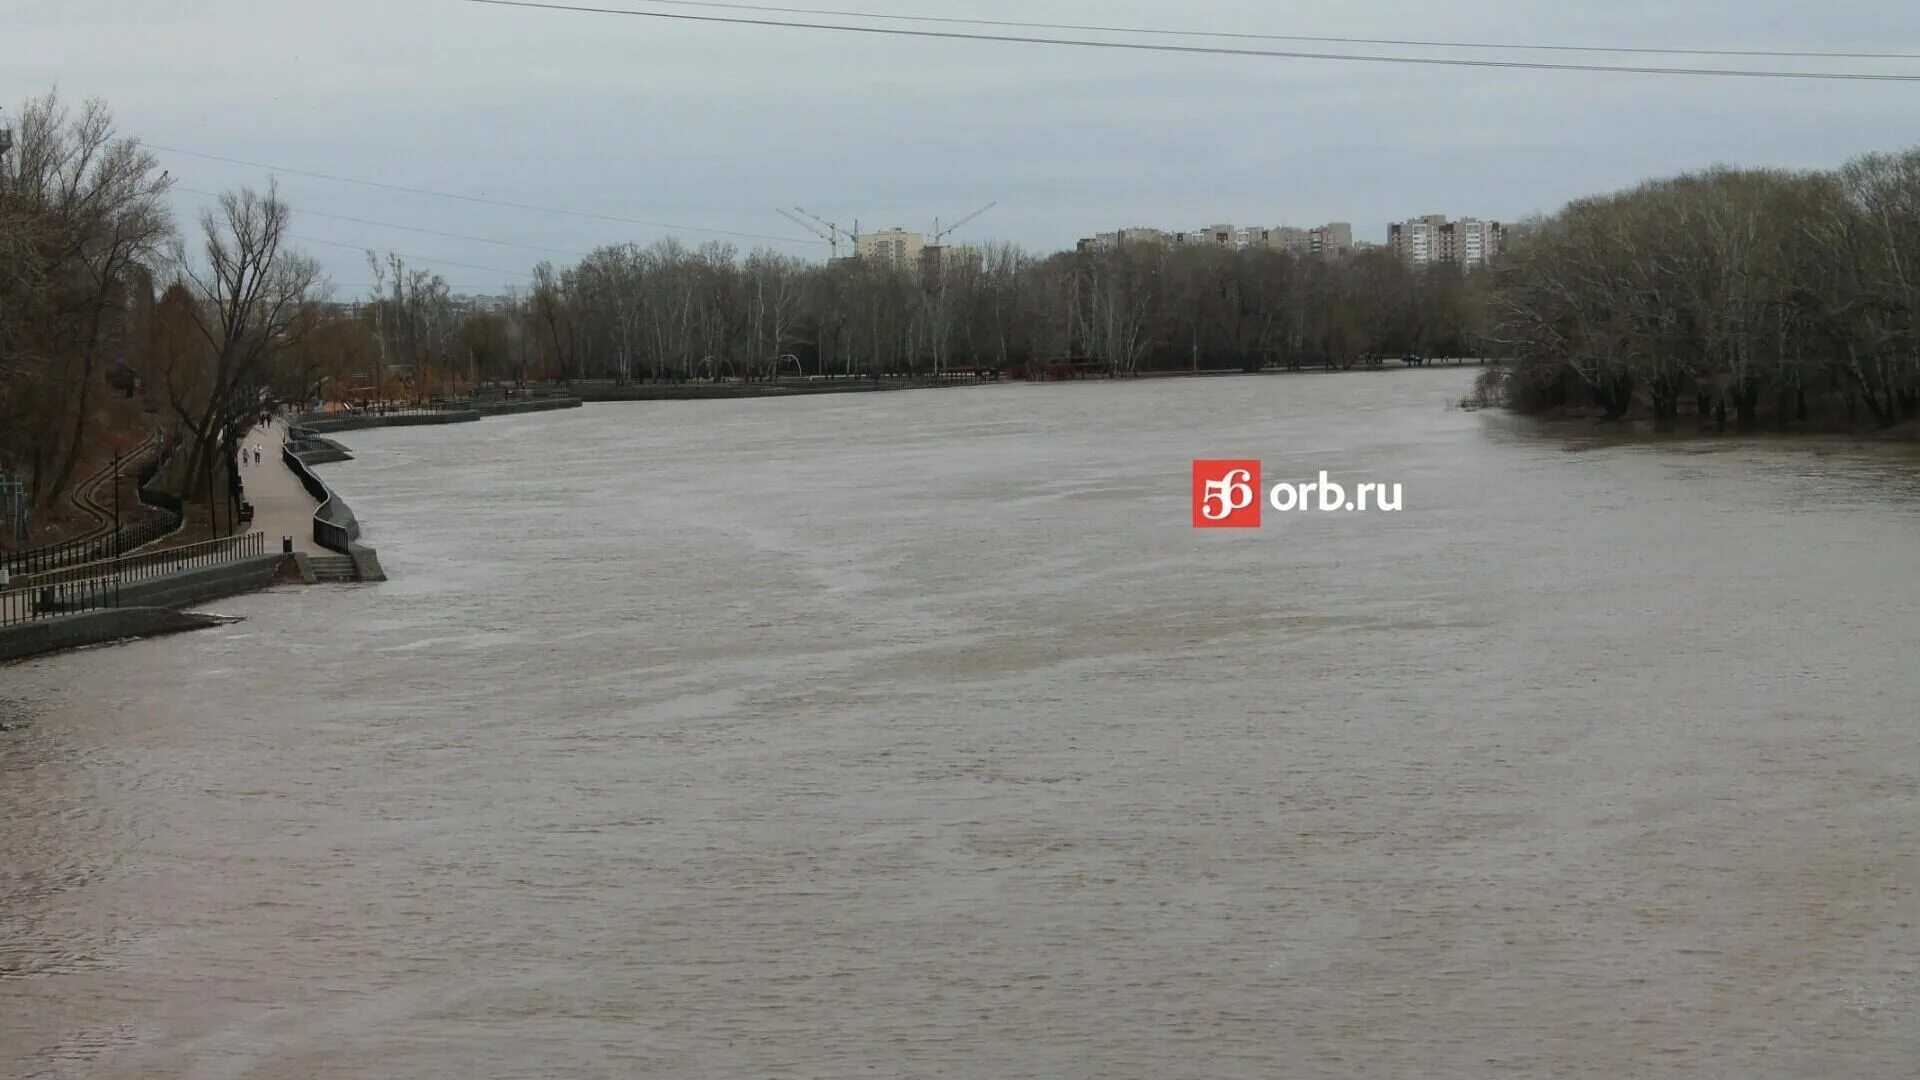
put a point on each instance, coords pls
(1333, 240)
(1123, 238)
(894, 247)
(952, 256)
(1472, 242)
(1469, 242)
(1417, 240)
(1292, 240)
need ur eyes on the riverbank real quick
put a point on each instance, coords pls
(1594, 422)
(465, 413)
(305, 446)
(140, 607)
(603, 391)
(98, 628)
(724, 391)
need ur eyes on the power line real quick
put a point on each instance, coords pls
(1511, 46)
(1209, 50)
(404, 255)
(473, 198)
(414, 228)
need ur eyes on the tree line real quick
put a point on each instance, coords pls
(1750, 296)
(672, 313)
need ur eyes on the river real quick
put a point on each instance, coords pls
(919, 734)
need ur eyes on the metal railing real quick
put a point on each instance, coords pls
(64, 598)
(152, 564)
(91, 549)
(94, 548)
(36, 560)
(334, 526)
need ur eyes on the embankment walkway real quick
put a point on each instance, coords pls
(281, 505)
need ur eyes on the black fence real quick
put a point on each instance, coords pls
(334, 527)
(95, 548)
(37, 560)
(64, 598)
(152, 564)
(91, 549)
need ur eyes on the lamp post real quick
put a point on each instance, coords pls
(116, 504)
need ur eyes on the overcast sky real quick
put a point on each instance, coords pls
(715, 126)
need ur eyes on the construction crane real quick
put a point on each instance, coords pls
(940, 234)
(832, 236)
(834, 232)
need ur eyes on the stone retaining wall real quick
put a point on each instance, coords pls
(329, 423)
(334, 526)
(95, 628)
(206, 583)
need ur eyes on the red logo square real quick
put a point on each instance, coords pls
(1226, 494)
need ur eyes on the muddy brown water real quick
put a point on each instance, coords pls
(918, 735)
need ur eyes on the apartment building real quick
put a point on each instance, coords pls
(1122, 238)
(952, 256)
(1430, 239)
(1333, 240)
(1472, 242)
(894, 247)
(1417, 240)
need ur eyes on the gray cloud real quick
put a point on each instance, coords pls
(715, 126)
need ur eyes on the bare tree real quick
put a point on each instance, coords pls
(84, 216)
(252, 307)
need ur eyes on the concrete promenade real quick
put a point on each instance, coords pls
(281, 505)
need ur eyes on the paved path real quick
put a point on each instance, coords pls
(281, 505)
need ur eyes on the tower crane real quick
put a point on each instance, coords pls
(831, 236)
(940, 234)
(834, 231)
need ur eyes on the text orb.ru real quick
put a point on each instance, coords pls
(1226, 495)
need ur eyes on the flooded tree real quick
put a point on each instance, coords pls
(1751, 294)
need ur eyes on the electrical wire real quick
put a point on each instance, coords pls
(404, 255)
(1324, 39)
(412, 228)
(1210, 50)
(474, 198)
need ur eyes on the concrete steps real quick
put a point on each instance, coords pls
(332, 568)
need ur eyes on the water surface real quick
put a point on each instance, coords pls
(917, 734)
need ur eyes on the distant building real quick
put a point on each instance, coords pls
(1333, 240)
(895, 247)
(1424, 241)
(1472, 242)
(474, 304)
(1291, 239)
(1417, 240)
(1123, 238)
(949, 256)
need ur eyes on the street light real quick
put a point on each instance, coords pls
(116, 504)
